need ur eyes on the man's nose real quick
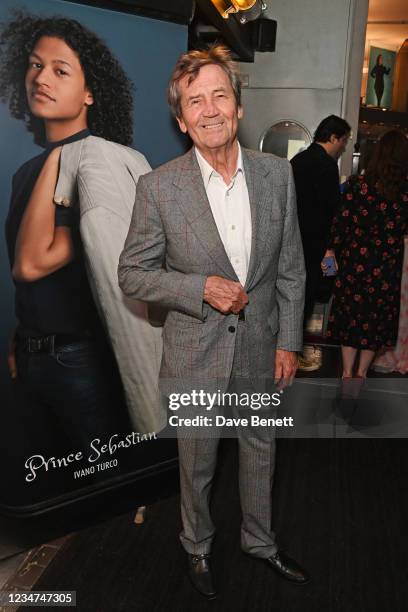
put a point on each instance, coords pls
(210, 108)
(43, 76)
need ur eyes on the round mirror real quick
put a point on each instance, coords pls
(285, 138)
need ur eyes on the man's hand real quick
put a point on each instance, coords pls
(225, 295)
(286, 363)
(328, 253)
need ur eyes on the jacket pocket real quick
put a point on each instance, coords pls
(182, 336)
(76, 355)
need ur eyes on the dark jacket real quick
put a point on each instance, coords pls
(317, 192)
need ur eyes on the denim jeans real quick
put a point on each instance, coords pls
(78, 387)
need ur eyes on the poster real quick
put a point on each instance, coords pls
(44, 461)
(380, 77)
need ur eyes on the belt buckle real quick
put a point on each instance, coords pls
(34, 345)
(44, 344)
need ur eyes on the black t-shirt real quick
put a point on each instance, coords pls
(61, 302)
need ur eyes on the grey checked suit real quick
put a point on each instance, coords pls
(173, 245)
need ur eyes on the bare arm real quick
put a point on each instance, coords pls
(11, 355)
(41, 247)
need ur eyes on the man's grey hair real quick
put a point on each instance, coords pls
(189, 64)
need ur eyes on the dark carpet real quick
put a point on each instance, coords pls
(340, 508)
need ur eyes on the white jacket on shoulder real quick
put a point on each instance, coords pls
(104, 175)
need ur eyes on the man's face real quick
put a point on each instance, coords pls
(339, 144)
(209, 112)
(55, 82)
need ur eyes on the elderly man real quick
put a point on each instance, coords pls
(214, 238)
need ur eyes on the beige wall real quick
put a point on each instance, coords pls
(315, 71)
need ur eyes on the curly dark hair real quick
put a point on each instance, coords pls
(388, 167)
(110, 116)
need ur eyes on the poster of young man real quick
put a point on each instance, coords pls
(82, 112)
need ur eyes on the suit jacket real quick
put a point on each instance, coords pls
(317, 183)
(103, 175)
(173, 245)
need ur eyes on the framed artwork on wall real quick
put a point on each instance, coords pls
(380, 77)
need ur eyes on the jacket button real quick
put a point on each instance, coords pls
(231, 329)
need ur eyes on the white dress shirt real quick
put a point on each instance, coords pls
(231, 211)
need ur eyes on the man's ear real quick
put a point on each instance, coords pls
(89, 99)
(182, 125)
(240, 112)
(333, 138)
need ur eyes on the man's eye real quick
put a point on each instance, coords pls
(61, 72)
(35, 65)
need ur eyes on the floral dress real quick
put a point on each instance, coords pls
(367, 236)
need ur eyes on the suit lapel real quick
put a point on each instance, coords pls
(258, 191)
(193, 201)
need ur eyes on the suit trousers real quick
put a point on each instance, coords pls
(198, 456)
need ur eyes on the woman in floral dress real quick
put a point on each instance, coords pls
(367, 240)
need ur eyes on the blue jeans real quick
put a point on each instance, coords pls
(78, 387)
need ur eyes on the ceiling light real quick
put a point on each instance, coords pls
(246, 10)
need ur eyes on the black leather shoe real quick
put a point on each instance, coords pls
(288, 568)
(199, 572)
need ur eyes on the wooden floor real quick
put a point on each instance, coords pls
(340, 508)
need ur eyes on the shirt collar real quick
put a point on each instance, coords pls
(207, 171)
(73, 138)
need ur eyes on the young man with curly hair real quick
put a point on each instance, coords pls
(65, 84)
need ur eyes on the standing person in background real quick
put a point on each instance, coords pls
(378, 73)
(367, 239)
(316, 175)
